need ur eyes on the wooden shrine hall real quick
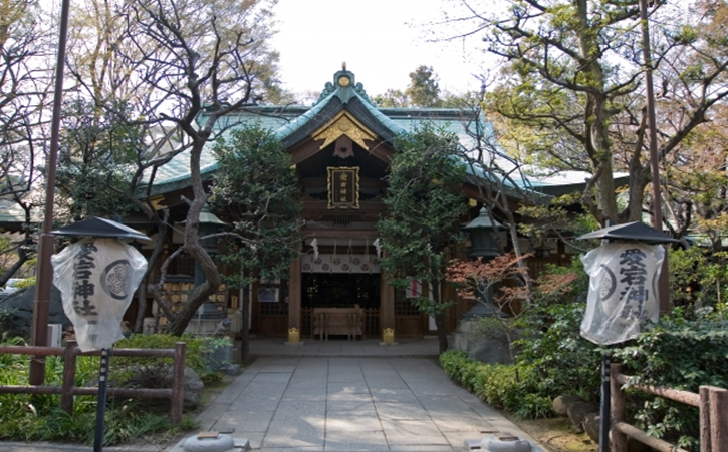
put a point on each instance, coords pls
(341, 148)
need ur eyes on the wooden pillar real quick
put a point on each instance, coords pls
(704, 407)
(718, 419)
(386, 305)
(294, 295)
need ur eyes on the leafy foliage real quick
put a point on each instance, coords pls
(194, 350)
(571, 96)
(424, 205)
(256, 185)
(698, 279)
(28, 417)
(506, 387)
(666, 355)
(96, 159)
(475, 280)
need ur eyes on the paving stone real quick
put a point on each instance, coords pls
(348, 397)
(413, 432)
(358, 406)
(300, 434)
(244, 421)
(352, 441)
(344, 421)
(393, 410)
(393, 395)
(359, 387)
(463, 422)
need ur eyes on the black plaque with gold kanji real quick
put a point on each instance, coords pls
(343, 185)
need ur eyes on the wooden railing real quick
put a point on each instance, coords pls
(67, 390)
(712, 404)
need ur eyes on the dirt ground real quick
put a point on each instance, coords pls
(557, 435)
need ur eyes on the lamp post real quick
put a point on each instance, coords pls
(97, 278)
(617, 307)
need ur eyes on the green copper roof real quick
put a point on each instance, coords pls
(295, 123)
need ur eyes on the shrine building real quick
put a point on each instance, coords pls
(342, 138)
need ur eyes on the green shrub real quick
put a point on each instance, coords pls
(38, 418)
(194, 356)
(501, 385)
(562, 362)
(681, 354)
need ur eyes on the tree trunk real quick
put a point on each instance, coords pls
(192, 243)
(596, 133)
(245, 333)
(152, 264)
(439, 317)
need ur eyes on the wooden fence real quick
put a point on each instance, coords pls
(67, 390)
(712, 404)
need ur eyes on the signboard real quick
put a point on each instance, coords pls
(343, 187)
(622, 291)
(97, 279)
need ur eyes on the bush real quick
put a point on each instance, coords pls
(684, 352)
(194, 350)
(681, 354)
(501, 385)
(30, 417)
(562, 362)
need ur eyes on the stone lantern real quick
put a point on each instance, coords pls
(484, 236)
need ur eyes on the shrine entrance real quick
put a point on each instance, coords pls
(341, 290)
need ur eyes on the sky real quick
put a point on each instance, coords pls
(381, 41)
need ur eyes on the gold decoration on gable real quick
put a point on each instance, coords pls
(344, 124)
(158, 202)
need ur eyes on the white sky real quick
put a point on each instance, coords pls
(381, 41)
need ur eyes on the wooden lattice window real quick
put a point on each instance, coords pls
(403, 306)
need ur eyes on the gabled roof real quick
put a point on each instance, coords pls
(294, 124)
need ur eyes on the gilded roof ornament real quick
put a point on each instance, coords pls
(344, 124)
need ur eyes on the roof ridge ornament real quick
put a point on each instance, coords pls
(345, 87)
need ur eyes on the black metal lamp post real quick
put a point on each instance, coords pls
(483, 235)
(639, 232)
(209, 224)
(106, 229)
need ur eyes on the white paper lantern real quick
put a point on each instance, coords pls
(97, 279)
(622, 291)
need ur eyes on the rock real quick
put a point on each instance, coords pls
(162, 377)
(577, 413)
(493, 444)
(22, 302)
(193, 387)
(562, 403)
(591, 426)
(484, 340)
(223, 443)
